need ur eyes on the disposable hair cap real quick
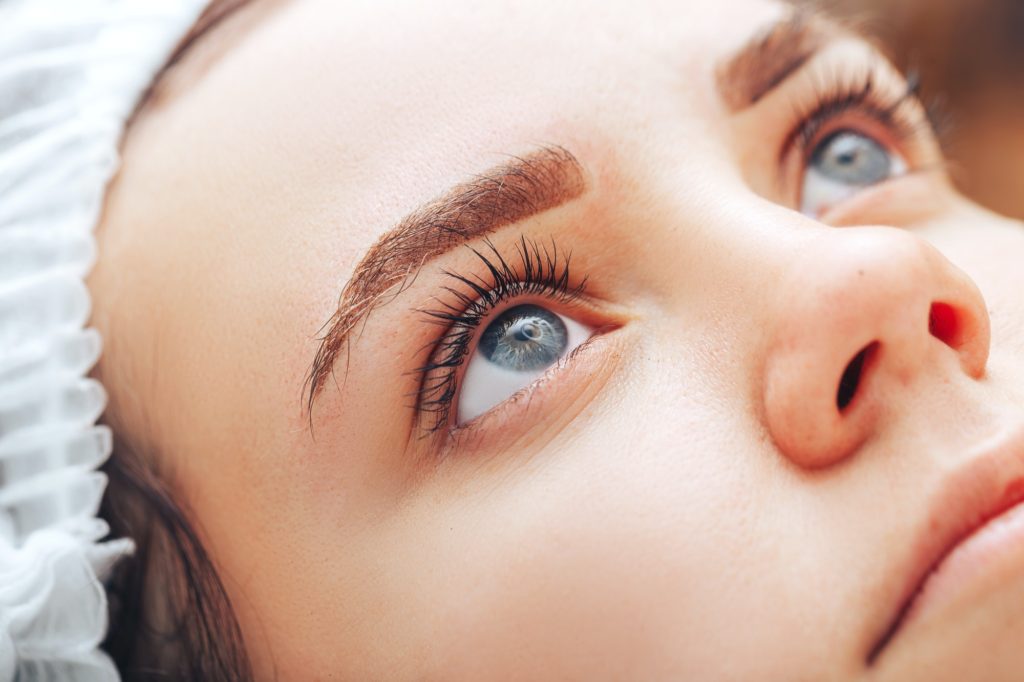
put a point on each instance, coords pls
(71, 73)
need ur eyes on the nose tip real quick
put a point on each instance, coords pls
(855, 328)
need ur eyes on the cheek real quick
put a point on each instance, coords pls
(563, 567)
(1002, 284)
(611, 549)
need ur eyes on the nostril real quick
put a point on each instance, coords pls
(943, 324)
(850, 381)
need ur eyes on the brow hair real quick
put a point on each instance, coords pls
(772, 56)
(507, 194)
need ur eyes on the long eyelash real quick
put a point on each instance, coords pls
(903, 113)
(534, 269)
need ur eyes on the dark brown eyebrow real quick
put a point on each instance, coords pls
(509, 193)
(772, 56)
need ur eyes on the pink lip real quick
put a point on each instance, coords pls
(976, 518)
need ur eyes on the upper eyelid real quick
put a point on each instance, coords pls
(836, 69)
(807, 128)
(892, 101)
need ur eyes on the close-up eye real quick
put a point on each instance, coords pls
(501, 331)
(514, 350)
(842, 164)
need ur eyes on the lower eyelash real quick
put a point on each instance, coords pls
(534, 269)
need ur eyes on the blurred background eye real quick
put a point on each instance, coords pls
(841, 165)
(515, 349)
(974, 81)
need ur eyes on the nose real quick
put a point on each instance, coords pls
(860, 318)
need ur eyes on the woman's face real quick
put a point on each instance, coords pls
(666, 349)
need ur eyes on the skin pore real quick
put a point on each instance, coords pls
(678, 497)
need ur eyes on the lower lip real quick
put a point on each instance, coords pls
(982, 559)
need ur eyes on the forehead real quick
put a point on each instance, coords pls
(509, 42)
(382, 106)
(411, 51)
(402, 75)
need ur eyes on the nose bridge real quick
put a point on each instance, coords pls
(864, 312)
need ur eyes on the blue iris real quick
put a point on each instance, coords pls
(525, 338)
(851, 158)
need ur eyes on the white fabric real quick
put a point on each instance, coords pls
(71, 72)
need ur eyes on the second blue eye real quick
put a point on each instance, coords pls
(852, 158)
(525, 338)
(843, 164)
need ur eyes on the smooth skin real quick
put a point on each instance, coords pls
(679, 501)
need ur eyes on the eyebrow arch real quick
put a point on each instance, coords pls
(772, 56)
(514, 191)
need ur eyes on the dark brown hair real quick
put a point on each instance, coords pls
(170, 616)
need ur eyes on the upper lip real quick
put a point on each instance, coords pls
(990, 483)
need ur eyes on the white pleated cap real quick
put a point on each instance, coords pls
(71, 73)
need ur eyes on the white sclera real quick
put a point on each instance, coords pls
(485, 385)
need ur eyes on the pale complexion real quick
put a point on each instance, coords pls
(680, 499)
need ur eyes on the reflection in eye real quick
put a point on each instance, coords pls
(841, 165)
(515, 350)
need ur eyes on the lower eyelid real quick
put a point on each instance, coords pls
(901, 202)
(571, 384)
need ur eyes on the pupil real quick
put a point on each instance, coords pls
(528, 331)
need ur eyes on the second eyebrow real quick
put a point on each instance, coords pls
(772, 56)
(504, 195)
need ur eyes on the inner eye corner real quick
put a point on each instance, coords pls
(853, 375)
